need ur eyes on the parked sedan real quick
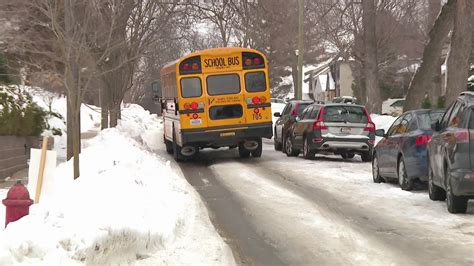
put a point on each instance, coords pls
(451, 155)
(286, 119)
(402, 154)
(344, 129)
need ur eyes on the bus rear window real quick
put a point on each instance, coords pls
(191, 87)
(226, 112)
(255, 81)
(223, 84)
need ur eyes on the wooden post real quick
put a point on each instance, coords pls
(39, 183)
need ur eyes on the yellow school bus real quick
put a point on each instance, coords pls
(216, 98)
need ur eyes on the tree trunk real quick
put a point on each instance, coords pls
(114, 114)
(76, 142)
(374, 101)
(428, 75)
(434, 7)
(104, 122)
(460, 50)
(70, 130)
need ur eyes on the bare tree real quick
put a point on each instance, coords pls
(460, 50)
(374, 102)
(427, 79)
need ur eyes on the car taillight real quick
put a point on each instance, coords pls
(469, 176)
(370, 127)
(462, 136)
(422, 140)
(319, 125)
(294, 113)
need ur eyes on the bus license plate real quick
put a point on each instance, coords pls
(227, 134)
(196, 122)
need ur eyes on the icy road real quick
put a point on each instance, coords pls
(278, 211)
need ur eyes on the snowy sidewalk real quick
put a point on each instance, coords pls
(128, 207)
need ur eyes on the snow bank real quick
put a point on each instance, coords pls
(127, 207)
(382, 122)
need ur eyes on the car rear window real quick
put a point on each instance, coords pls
(350, 114)
(301, 107)
(223, 84)
(427, 119)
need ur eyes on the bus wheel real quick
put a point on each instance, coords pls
(257, 153)
(243, 152)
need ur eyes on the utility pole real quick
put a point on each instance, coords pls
(299, 89)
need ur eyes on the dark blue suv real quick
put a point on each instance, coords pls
(451, 155)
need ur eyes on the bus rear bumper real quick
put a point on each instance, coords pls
(219, 137)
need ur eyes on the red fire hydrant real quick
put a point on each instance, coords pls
(18, 203)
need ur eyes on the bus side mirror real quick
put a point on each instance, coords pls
(156, 89)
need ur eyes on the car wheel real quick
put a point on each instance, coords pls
(243, 152)
(290, 151)
(277, 145)
(455, 204)
(436, 193)
(257, 153)
(366, 156)
(307, 153)
(403, 180)
(375, 170)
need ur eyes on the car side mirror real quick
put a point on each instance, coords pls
(380, 133)
(436, 126)
(298, 119)
(277, 114)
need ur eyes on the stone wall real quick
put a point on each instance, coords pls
(15, 152)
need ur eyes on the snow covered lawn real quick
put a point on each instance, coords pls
(128, 207)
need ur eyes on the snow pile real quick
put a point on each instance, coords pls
(382, 122)
(127, 207)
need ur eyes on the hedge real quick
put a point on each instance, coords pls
(19, 115)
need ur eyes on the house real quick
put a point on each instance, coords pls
(330, 80)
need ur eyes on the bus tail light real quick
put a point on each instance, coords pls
(187, 106)
(248, 62)
(195, 116)
(422, 140)
(255, 100)
(263, 99)
(194, 105)
(256, 110)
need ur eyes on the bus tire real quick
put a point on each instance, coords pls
(243, 152)
(257, 153)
